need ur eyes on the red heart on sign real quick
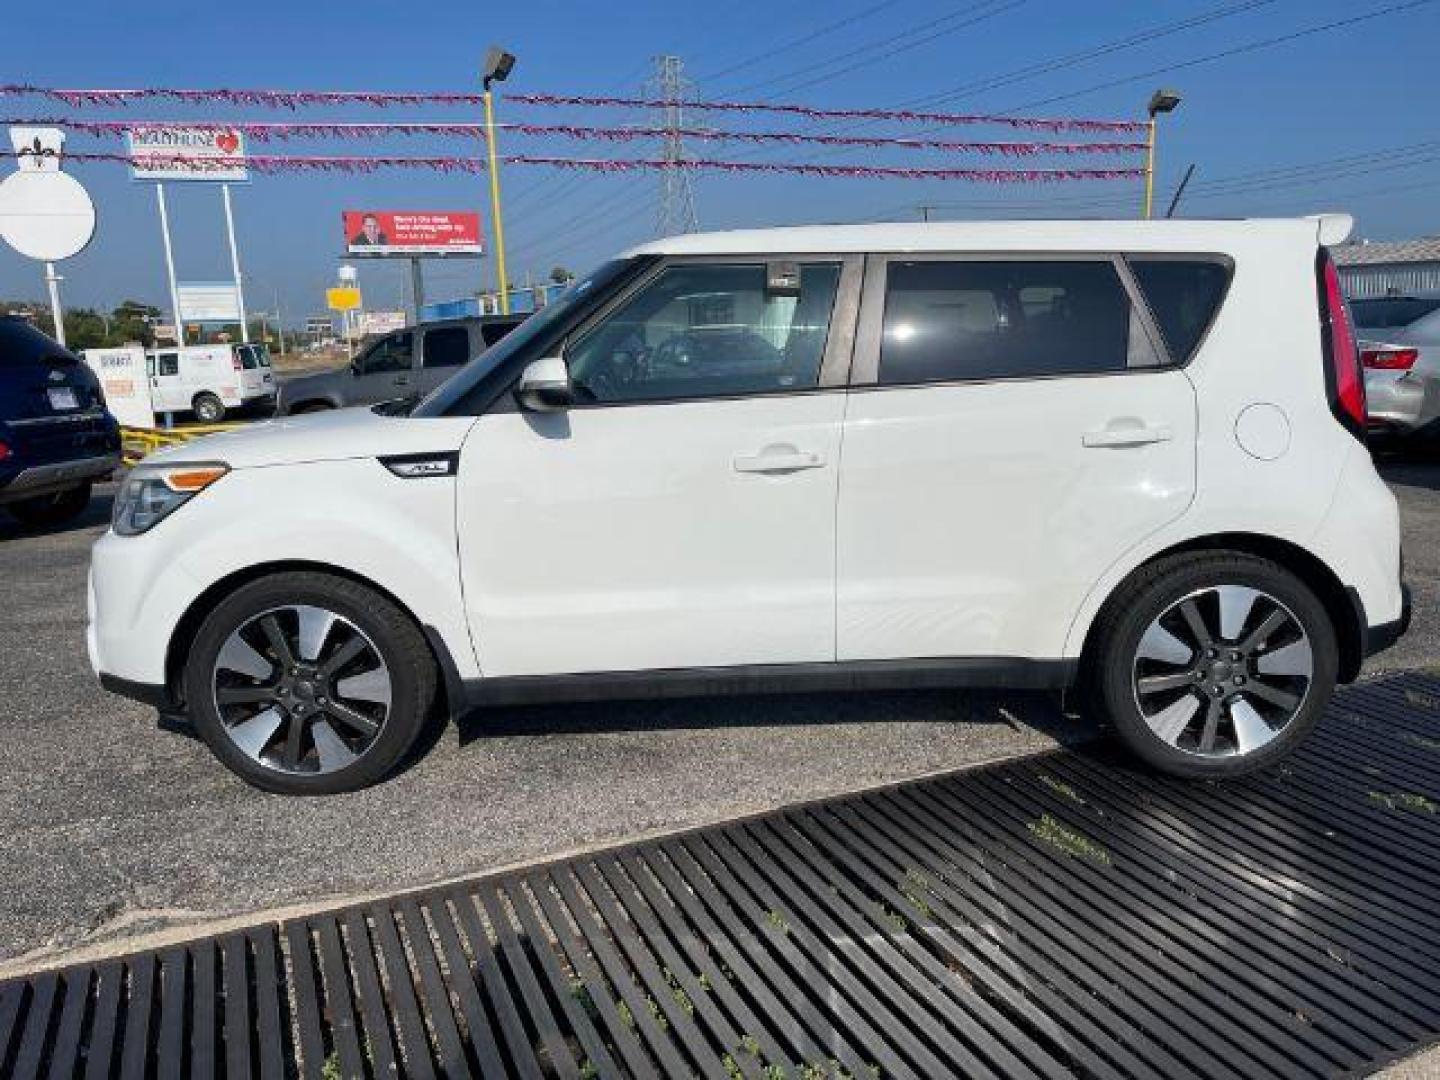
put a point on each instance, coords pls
(227, 141)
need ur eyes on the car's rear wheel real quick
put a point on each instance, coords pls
(1214, 664)
(309, 684)
(45, 511)
(208, 408)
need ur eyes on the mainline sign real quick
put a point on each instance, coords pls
(214, 154)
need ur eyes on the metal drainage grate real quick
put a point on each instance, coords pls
(1064, 914)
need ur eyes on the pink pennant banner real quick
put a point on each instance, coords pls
(274, 163)
(295, 99)
(809, 112)
(267, 131)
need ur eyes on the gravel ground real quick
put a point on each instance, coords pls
(115, 827)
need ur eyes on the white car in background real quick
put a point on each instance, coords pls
(1400, 348)
(1124, 458)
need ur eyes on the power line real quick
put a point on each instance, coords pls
(867, 54)
(799, 42)
(1238, 50)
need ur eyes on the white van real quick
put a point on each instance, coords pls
(209, 380)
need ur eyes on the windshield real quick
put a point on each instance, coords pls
(553, 314)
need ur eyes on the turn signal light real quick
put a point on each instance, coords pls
(1389, 359)
(193, 480)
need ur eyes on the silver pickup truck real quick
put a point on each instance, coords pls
(399, 364)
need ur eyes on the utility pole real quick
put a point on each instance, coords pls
(677, 195)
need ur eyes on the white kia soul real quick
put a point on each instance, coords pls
(1121, 457)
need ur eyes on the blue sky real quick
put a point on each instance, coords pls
(1340, 119)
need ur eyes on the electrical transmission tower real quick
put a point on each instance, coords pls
(677, 195)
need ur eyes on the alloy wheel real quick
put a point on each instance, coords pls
(301, 689)
(1222, 671)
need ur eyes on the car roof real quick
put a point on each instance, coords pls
(1030, 235)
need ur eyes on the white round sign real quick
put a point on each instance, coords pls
(46, 215)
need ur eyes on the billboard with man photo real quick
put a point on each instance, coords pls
(411, 232)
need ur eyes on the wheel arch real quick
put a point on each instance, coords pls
(188, 625)
(1341, 604)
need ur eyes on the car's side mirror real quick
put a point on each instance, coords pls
(545, 386)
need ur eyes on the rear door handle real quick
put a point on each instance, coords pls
(778, 460)
(1136, 435)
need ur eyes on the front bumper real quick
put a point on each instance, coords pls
(1379, 638)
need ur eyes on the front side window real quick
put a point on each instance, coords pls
(449, 346)
(393, 353)
(963, 320)
(169, 364)
(708, 330)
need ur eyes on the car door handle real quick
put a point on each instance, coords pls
(1133, 435)
(778, 460)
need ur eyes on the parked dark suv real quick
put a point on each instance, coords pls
(56, 438)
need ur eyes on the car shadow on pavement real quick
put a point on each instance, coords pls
(1409, 471)
(97, 513)
(1018, 709)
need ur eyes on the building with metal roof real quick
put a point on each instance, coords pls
(1389, 268)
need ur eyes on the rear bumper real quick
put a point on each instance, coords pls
(57, 476)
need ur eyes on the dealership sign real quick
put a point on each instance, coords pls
(406, 232)
(216, 154)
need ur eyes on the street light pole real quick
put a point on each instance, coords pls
(498, 65)
(1162, 101)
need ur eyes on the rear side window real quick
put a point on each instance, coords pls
(448, 346)
(1184, 295)
(962, 320)
(1392, 312)
(22, 345)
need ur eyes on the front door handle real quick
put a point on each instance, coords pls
(1122, 435)
(778, 459)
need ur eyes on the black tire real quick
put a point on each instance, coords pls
(311, 407)
(47, 511)
(1113, 664)
(401, 647)
(208, 408)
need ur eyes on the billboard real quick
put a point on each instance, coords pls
(382, 322)
(216, 154)
(411, 232)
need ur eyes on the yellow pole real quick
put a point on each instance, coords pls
(1149, 168)
(498, 222)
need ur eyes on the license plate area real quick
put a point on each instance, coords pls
(62, 398)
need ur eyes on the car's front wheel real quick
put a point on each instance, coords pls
(309, 684)
(1213, 665)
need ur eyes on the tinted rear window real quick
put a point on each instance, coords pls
(1003, 320)
(1392, 312)
(22, 345)
(1183, 295)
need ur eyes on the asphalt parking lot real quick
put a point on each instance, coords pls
(115, 827)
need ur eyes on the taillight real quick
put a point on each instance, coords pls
(1344, 377)
(4, 451)
(1389, 359)
(235, 363)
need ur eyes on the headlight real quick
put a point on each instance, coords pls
(150, 494)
